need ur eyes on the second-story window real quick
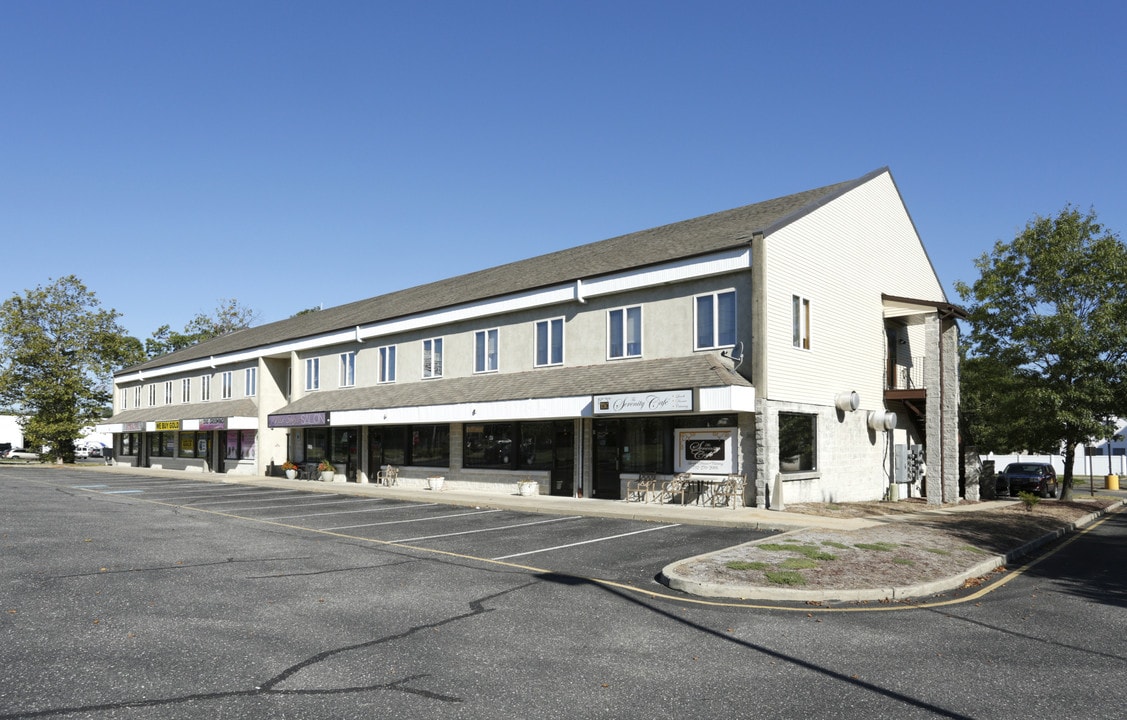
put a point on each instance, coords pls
(205, 388)
(152, 395)
(387, 364)
(227, 385)
(624, 332)
(549, 342)
(800, 322)
(485, 351)
(168, 392)
(347, 369)
(137, 396)
(312, 374)
(124, 401)
(716, 320)
(250, 382)
(432, 358)
(186, 390)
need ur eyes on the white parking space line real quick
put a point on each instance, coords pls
(362, 510)
(257, 494)
(319, 502)
(586, 542)
(483, 530)
(412, 520)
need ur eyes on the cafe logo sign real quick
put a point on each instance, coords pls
(705, 451)
(644, 403)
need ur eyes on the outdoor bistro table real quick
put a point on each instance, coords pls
(701, 487)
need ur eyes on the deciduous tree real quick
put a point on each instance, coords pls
(228, 317)
(1047, 352)
(58, 349)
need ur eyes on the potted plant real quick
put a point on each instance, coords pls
(290, 469)
(327, 470)
(434, 482)
(528, 486)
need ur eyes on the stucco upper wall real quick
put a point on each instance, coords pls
(841, 258)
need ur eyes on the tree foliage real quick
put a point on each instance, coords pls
(58, 349)
(1048, 343)
(228, 317)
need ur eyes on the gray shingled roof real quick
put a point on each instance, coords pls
(621, 377)
(246, 407)
(706, 234)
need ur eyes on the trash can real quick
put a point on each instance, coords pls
(1111, 482)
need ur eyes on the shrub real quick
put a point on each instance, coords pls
(1029, 499)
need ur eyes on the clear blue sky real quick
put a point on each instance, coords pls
(291, 154)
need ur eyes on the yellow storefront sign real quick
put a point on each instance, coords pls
(168, 425)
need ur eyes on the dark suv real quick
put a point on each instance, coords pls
(1038, 478)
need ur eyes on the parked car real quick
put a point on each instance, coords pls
(1038, 478)
(21, 454)
(81, 452)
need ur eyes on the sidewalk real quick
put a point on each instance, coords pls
(749, 517)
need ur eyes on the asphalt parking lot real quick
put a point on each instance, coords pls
(619, 550)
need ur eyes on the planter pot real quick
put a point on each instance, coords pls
(291, 474)
(436, 482)
(528, 488)
(327, 476)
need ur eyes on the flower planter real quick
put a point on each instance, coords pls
(528, 487)
(436, 482)
(327, 475)
(291, 474)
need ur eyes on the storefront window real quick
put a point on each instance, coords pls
(411, 445)
(798, 444)
(240, 444)
(489, 446)
(187, 444)
(430, 445)
(536, 441)
(645, 444)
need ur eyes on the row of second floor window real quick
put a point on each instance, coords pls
(714, 328)
(172, 391)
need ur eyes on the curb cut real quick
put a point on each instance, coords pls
(671, 578)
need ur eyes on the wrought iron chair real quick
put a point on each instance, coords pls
(730, 492)
(387, 476)
(641, 487)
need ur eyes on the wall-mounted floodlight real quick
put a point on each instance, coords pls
(847, 401)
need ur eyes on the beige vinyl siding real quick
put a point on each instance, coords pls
(841, 258)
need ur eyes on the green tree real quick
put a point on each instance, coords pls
(58, 349)
(1047, 350)
(228, 317)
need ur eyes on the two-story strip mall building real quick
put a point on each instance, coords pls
(797, 341)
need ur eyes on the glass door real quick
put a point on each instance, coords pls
(606, 480)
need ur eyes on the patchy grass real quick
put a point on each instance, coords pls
(973, 549)
(903, 561)
(878, 546)
(798, 564)
(810, 551)
(937, 551)
(745, 565)
(833, 544)
(785, 577)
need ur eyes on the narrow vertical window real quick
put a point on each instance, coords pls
(432, 358)
(800, 319)
(387, 364)
(549, 342)
(250, 382)
(347, 369)
(624, 332)
(205, 388)
(186, 390)
(152, 395)
(124, 401)
(168, 393)
(312, 374)
(137, 396)
(227, 385)
(716, 320)
(485, 351)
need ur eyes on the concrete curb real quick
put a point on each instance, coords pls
(744, 591)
